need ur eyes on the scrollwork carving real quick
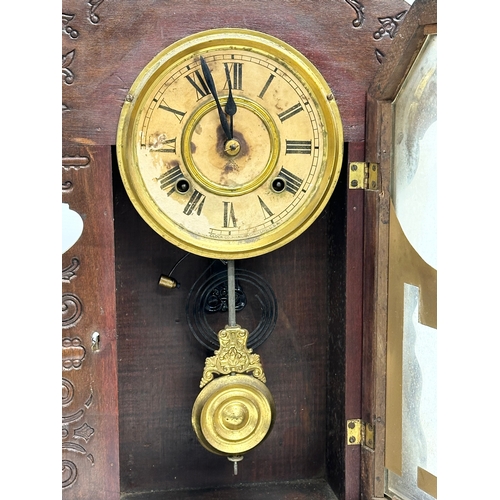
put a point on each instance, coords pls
(69, 272)
(75, 162)
(68, 392)
(379, 55)
(69, 473)
(73, 353)
(70, 31)
(72, 310)
(68, 75)
(390, 25)
(94, 4)
(359, 8)
(84, 432)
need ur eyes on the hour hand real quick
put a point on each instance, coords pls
(230, 107)
(211, 86)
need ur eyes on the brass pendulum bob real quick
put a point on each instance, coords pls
(234, 411)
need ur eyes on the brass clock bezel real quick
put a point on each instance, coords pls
(322, 99)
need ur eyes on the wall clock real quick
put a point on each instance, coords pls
(229, 146)
(229, 143)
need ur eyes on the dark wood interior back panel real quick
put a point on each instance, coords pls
(161, 363)
(336, 379)
(107, 43)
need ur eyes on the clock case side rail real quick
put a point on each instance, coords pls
(345, 342)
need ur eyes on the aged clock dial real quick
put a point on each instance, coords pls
(230, 143)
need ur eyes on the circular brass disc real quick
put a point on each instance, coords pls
(233, 414)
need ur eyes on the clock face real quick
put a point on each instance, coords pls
(230, 143)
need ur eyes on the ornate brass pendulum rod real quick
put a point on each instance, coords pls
(234, 411)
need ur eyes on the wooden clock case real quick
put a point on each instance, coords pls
(131, 366)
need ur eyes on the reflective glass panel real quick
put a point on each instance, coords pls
(414, 196)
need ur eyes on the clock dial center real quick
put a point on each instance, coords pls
(232, 147)
(231, 167)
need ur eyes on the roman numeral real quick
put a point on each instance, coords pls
(265, 209)
(292, 182)
(199, 84)
(298, 147)
(229, 217)
(178, 114)
(195, 203)
(266, 86)
(288, 113)
(171, 143)
(236, 77)
(169, 179)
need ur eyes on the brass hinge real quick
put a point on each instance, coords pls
(363, 175)
(360, 433)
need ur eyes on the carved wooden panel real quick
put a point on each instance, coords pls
(89, 373)
(107, 42)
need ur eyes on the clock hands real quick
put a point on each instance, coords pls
(232, 146)
(230, 104)
(211, 87)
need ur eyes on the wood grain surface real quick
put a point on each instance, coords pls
(89, 377)
(106, 44)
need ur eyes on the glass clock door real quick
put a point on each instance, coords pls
(411, 400)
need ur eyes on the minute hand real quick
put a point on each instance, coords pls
(211, 87)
